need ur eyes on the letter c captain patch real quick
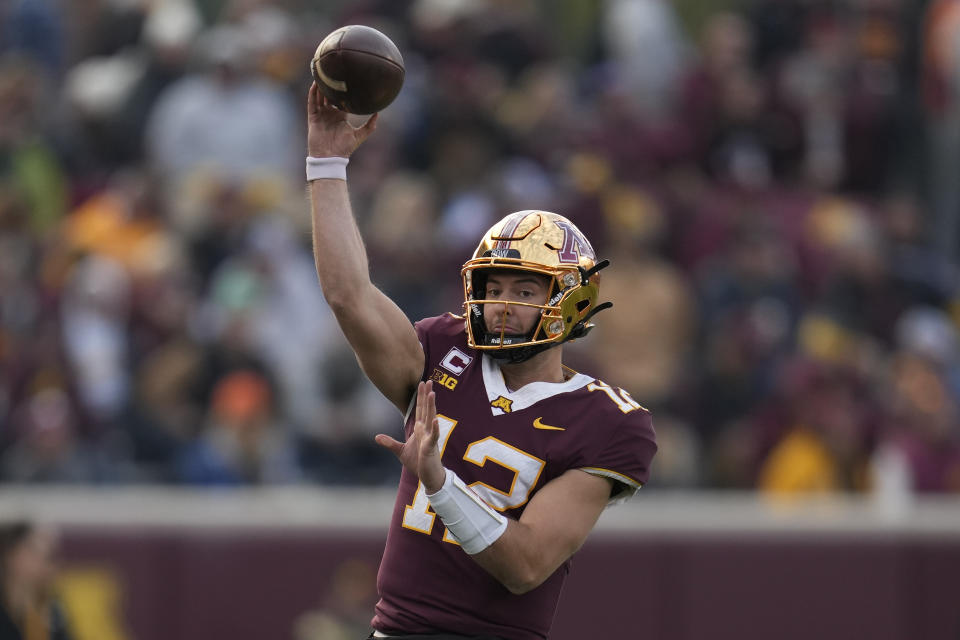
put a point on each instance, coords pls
(456, 361)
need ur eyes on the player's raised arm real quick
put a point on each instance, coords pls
(381, 335)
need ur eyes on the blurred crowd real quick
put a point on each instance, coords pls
(774, 182)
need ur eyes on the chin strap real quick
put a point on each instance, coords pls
(520, 354)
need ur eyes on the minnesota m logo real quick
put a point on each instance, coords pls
(502, 403)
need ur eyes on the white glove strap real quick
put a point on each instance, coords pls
(318, 168)
(471, 521)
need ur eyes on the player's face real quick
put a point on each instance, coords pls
(514, 286)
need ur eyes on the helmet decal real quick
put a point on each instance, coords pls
(575, 245)
(510, 226)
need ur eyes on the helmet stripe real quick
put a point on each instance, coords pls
(513, 222)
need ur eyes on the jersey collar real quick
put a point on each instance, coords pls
(527, 395)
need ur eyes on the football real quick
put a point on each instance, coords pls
(358, 69)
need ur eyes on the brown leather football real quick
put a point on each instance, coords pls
(358, 69)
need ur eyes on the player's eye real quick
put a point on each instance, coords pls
(492, 293)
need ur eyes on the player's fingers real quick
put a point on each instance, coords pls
(312, 99)
(427, 398)
(330, 113)
(387, 442)
(368, 127)
(431, 426)
(428, 433)
(431, 409)
(420, 403)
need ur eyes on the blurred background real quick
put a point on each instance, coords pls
(774, 181)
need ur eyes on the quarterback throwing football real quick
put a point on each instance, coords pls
(509, 457)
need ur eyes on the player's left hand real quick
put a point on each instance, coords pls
(419, 453)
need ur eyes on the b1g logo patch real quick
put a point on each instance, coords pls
(444, 379)
(456, 361)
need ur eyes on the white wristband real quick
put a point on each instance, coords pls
(471, 521)
(334, 168)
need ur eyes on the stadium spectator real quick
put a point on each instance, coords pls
(242, 440)
(940, 81)
(29, 609)
(225, 118)
(800, 192)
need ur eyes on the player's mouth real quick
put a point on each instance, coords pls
(506, 330)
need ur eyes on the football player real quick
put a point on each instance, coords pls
(509, 457)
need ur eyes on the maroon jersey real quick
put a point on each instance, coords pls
(505, 445)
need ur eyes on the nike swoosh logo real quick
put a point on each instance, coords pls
(537, 424)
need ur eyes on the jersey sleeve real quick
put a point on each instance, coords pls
(625, 456)
(434, 334)
(422, 328)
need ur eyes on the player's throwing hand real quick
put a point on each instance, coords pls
(419, 453)
(329, 133)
